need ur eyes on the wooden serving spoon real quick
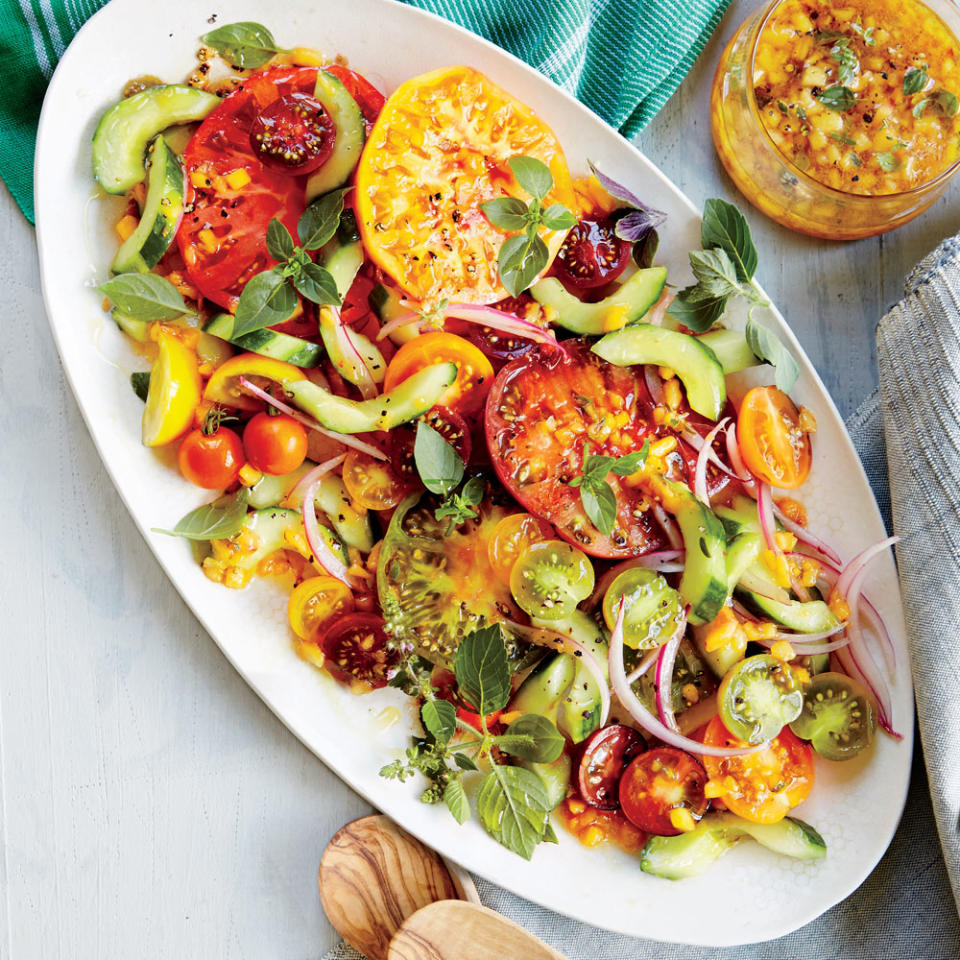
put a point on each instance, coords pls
(453, 930)
(373, 876)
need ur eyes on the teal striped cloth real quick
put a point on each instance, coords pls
(622, 58)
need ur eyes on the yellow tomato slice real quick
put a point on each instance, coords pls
(315, 602)
(439, 149)
(224, 385)
(474, 371)
(511, 536)
(174, 392)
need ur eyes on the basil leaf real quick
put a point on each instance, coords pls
(455, 797)
(532, 737)
(766, 346)
(141, 384)
(267, 299)
(483, 675)
(319, 222)
(439, 719)
(317, 284)
(246, 44)
(464, 762)
(645, 249)
(848, 64)
(827, 36)
(214, 521)
(889, 161)
(558, 217)
(513, 807)
(600, 505)
(438, 463)
(505, 213)
(695, 312)
(838, 98)
(637, 224)
(596, 467)
(532, 174)
(279, 241)
(914, 80)
(715, 272)
(473, 491)
(724, 226)
(942, 102)
(631, 462)
(520, 262)
(145, 296)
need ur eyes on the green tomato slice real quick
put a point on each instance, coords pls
(652, 608)
(838, 716)
(550, 578)
(758, 697)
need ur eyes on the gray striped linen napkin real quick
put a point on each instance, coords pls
(904, 910)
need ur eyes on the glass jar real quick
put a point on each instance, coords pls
(778, 187)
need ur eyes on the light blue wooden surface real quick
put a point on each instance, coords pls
(150, 805)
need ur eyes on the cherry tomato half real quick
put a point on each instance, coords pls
(592, 255)
(838, 717)
(373, 484)
(605, 754)
(355, 650)
(315, 602)
(550, 578)
(275, 445)
(497, 346)
(211, 460)
(448, 423)
(294, 134)
(758, 697)
(474, 372)
(766, 784)
(771, 442)
(658, 782)
(511, 536)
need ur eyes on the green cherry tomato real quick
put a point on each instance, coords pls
(550, 578)
(838, 716)
(758, 697)
(652, 608)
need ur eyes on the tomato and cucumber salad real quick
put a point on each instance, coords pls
(447, 404)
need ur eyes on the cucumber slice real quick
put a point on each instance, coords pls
(740, 517)
(142, 250)
(555, 777)
(386, 304)
(348, 365)
(694, 362)
(268, 343)
(342, 261)
(814, 616)
(789, 836)
(627, 304)
(730, 348)
(351, 133)
(742, 554)
(405, 402)
(122, 135)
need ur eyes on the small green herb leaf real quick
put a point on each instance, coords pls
(823, 37)
(279, 241)
(697, 312)
(438, 463)
(483, 675)
(319, 222)
(533, 175)
(914, 80)
(716, 275)
(219, 520)
(317, 284)
(848, 64)
(513, 808)
(141, 384)
(521, 259)
(724, 226)
(645, 250)
(246, 44)
(631, 462)
(558, 217)
(439, 719)
(267, 299)
(455, 797)
(600, 505)
(838, 98)
(532, 737)
(145, 296)
(889, 161)
(843, 138)
(766, 346)
(464, 762)
(505, 213)
(459, 506)
(942, 102)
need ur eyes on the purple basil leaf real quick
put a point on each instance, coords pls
(621, 193)
(638, 223)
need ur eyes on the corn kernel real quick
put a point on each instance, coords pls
(663, 446)
(839, 607)
(199, 179)
(777, 564)
(759, 630)
(682, 819)
(807, 421)
(713, 789)
(576, 806)
(235, 578)
(592, 836)
(615, 318)
(783, 651)
(785, 541)
(126, 225)
(690, 693)
(793, 510)
(237, 179)
(802, 674)
(672, 394)
(249, 475)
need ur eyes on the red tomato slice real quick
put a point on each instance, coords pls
(606, 752)
(592, 255)
(540, 414)
(659, 781)
(231, 196)
(355, 649)
(369, 99)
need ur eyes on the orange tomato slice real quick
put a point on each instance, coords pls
(439, 149)
(771, 441)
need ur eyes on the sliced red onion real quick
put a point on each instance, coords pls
(658, 311)
(669, 526)
(663, 561)
(763, 588)
(803, 638)
(852, 666)
(565, 644)
(700, 473)
(748, 480)
(654, 384)
(364, 380)
(690, 436)
(645, 719)
(401, 320)
(322, 553)
(768, 525)
(664, 676)
(879, 627)
(741, 611)
(807, 649)
(859, 562)
(345, 438)
(501, 320)
(645, 664)
(805, 536)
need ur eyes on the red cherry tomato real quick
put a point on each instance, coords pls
(659, 781)
(497, 346)
(592, 255)
(605, 753)
(355, 650)
(211, 460)
(294, 134)
(275, 445)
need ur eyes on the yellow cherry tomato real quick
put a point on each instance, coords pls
(224, 385)
(315, 602)
(373, 484)
(511, 536)
(174, 392)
